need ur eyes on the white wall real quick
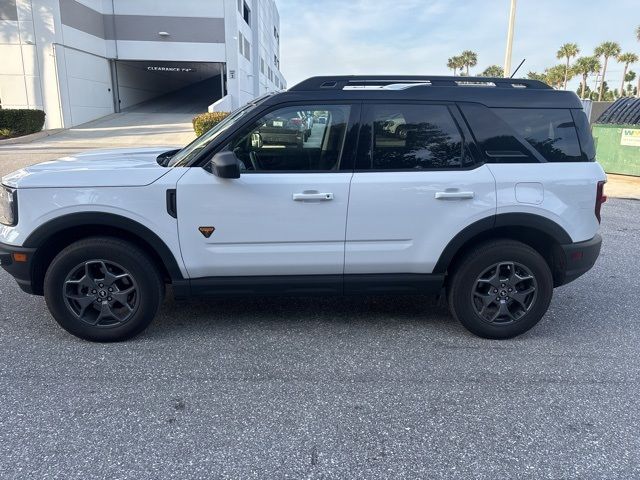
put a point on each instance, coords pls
(20, 85)
(181, 8)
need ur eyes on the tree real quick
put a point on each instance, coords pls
(630, 77)
(626, 59)
(469, 59)
(492, 71)
(585, 66)
(537, 76)
(638, 87)
(455, 64)
(606, 50)
(568, 51)
(554, 76)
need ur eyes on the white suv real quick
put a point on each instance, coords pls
(489, 189)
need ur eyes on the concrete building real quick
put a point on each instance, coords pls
(79, 60)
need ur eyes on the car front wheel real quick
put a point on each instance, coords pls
(103, 289)
(500, 289)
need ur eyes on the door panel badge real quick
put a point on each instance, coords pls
(206, 231)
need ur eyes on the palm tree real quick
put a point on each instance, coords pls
(585, 66)
(568, 51)
(626, 58)
(606, 50)
(493, 71)
(638, 37)
(460, 63)
(452, 63)
(537, 76)
(469, 59)
(554, 76)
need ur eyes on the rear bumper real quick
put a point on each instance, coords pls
(21, 271)
(576, 259)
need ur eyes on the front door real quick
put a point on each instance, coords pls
(286, 214)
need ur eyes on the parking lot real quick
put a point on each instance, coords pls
(375, 387)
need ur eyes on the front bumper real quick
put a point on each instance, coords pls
(19, 270)
(575, 259)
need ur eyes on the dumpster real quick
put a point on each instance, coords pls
(616, 134)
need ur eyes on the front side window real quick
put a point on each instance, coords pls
(294, 139)
(552, 132)
(412, 137)
(191, 151)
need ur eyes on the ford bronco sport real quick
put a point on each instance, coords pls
(484, 187)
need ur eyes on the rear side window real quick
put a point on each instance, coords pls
(584, 134)
(496, 140)
(552, 132)
(410, 137)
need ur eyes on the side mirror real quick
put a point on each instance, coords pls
(225, 165)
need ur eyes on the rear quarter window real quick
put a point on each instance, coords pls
(552, 132)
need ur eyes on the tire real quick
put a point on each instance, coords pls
(99, 306)
(484, 305)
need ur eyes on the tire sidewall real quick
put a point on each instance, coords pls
(129, 257)
(464, 283)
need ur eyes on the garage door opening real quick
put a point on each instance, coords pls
(166, 87)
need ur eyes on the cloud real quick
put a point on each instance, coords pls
(417, 36)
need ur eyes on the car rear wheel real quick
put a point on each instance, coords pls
(103, 289)
(500, 289)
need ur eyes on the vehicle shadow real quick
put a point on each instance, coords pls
(203, 314)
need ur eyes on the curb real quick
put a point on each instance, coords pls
(31, 137)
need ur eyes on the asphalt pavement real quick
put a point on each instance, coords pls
(374, 387)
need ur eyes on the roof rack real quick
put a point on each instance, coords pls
(398, 82)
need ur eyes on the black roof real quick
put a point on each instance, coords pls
(624, 111)
(492, 92)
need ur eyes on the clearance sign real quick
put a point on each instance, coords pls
(630, 137)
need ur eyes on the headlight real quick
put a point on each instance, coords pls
(8, 206)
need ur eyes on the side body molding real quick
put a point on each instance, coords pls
(503, 220)
(46, 231)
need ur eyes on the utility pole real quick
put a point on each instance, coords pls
(507, 54)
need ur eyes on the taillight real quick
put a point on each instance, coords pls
(600, 199)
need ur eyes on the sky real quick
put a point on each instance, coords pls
(332, 37)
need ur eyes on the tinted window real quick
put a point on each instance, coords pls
(299, 138)
(410, 137)
(584, 134)
(496, 139)
(551, 132)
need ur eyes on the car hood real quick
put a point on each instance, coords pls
(120, 167)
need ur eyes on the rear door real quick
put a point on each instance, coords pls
(416, 186)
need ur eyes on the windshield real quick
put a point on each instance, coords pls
(184, 156)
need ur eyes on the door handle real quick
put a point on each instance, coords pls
(301, 197)
(454, 195)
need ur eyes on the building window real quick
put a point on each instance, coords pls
(240, 6)
(246, 13)
(262, 65)
(247, 49)
(270, 74)
(240, 43)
